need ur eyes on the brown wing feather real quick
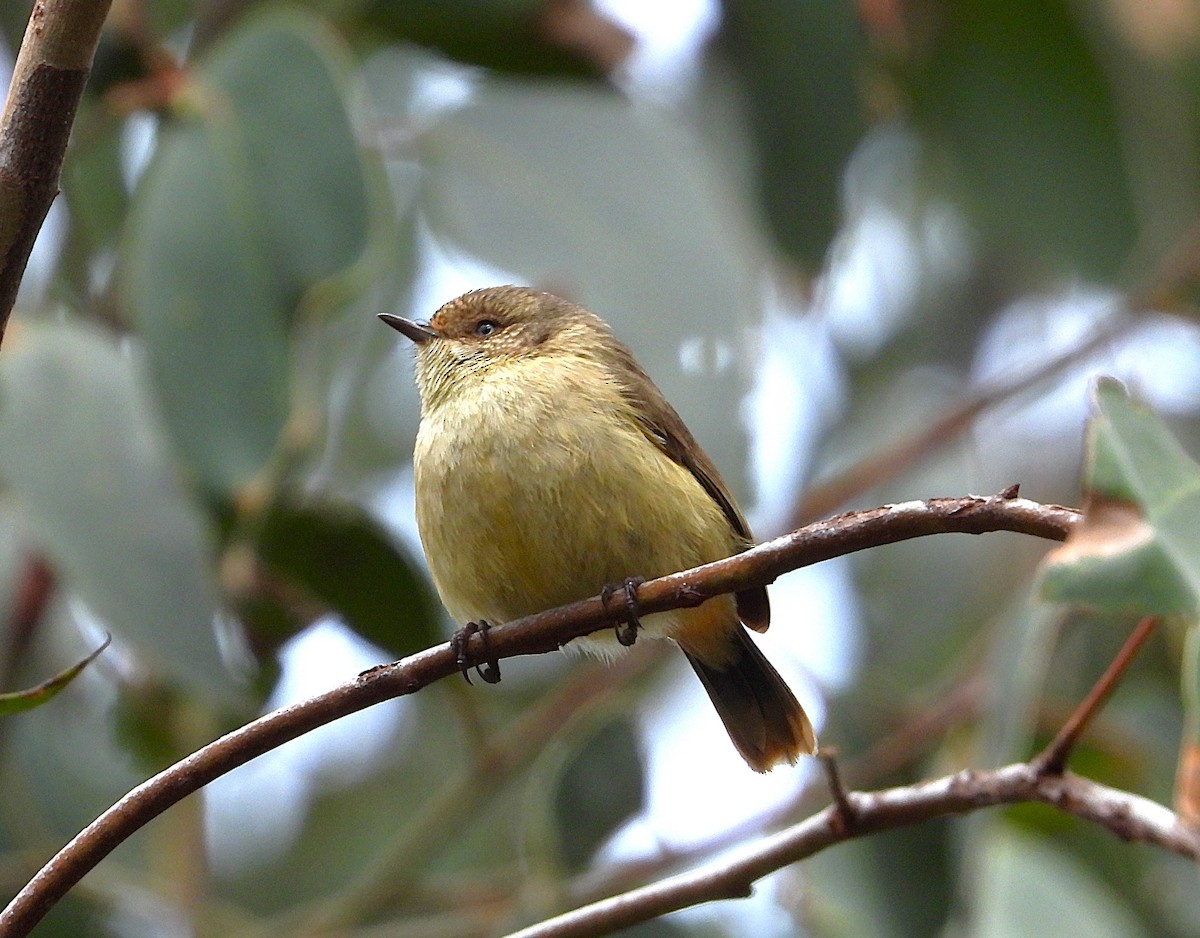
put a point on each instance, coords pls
(666, 429)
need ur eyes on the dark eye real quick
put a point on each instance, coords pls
(486, 327)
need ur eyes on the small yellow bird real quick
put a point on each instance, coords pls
(550, 468)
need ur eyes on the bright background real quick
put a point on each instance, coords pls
(821, 226)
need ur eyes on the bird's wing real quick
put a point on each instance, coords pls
(666, 429)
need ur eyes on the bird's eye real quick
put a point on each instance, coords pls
(486, 327)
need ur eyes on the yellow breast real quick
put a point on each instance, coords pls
(528, 499)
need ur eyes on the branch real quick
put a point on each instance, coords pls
(535, 634)
(896, 458)
(1043, 779)
(1129, 817)
(48, 78)
(1053, 759)
(1172, 285)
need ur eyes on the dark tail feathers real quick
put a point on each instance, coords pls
(762, 717)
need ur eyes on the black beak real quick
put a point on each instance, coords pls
(417, 331)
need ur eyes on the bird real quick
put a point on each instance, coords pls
(549, 467)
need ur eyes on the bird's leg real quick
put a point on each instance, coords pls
(489, 668)
(627, 630)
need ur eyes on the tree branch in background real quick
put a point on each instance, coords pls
(48, 78)
(893, 460)
(1172, 285)
(1053, 759)
(1130, 817)
(536, 634)
(856, 814)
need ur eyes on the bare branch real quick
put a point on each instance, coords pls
(1171, 284)
(845, 815)
(893, 460)
(536, 634)
(1129, 817)
(48, 78)
(1053, 759)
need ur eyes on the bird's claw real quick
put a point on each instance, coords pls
(626, 630)
(489, 668)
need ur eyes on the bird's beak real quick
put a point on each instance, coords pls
(417, 331)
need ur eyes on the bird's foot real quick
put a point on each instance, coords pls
(489, 668)
(626, 630)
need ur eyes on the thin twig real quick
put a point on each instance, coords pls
(536, 634)
(845, 815)
(890, 462)
(1053, 759)
(48, 78)
(389, 875)
(1128, 816)
(1171, 284)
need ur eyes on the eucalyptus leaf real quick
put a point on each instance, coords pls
(253, 198)
(21, 700)
(82, 452)
(1017, 98)
(507, 36)
(342, 557)
(1028, 887)
(603, 786)
(800, 67)
(1137, 549)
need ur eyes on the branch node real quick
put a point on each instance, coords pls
(845, 816)
(690, 596)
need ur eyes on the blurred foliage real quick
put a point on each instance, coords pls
(16, 701)
(599, 789)
(342, 558)
(849, 210)
(1033, 160)
(1137, 551)
(507, 36)
(800, 64)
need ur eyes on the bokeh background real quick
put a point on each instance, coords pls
(824, 228)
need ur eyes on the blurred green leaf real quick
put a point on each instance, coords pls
(248, 204)
(119, 59)
(1017, 97)
(146, 723)
(800, 65)
(1187, 770)
(339, 555)
(83, 453)
(507, 36)
(21, 700)
(95, 196)
(14, 17)
(1026, 886)
(891, 885)
(1137, 549)
(603, 786)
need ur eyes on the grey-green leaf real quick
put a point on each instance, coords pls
(1137, 550)
(82, 451)
(249, 203)
(20, 700)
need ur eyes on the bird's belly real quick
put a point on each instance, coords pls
(540, 515)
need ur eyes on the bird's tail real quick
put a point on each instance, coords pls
(762, 716)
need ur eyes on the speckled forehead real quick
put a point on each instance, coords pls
(463, 307)
(446, 318)
(501, 304)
